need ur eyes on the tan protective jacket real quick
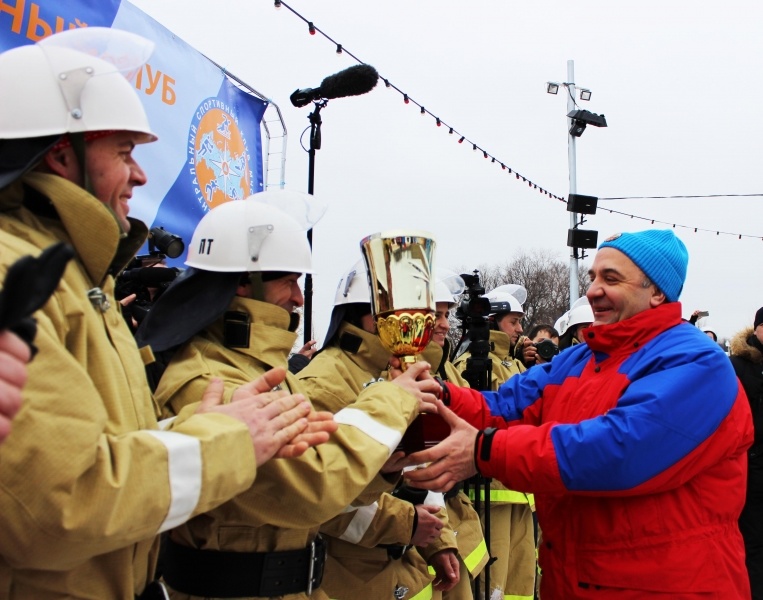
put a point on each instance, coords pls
(356, 566)
(290, 498)
(504, 365)
(86, 479)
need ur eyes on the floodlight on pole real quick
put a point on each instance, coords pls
(581, 118)
(577, 239)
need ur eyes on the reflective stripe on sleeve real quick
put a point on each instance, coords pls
(184, 467)
(475, 557)
(426, 593)
(360, 523)
(164, 424)
(361, 420)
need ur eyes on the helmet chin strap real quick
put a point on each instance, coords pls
(258, 288)
(78, 145)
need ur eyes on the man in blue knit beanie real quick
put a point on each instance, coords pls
(634, 441)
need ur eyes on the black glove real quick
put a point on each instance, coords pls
(28, 284)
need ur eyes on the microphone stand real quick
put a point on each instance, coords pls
(315, 144)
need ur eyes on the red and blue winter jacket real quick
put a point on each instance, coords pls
(634, 444)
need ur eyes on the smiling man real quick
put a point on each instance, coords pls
(111, 169)
(634, 441)
(87, 479)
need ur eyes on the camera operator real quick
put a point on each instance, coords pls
(545, 339)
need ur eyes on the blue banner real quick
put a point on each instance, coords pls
(210, 146)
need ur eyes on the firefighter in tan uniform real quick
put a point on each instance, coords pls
(512, 539)
(472, 549)
(234, 306)
(87, 479)
(380, 549)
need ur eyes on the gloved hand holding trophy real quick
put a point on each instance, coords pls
(400, 269)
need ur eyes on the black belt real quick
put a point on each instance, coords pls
(222, 574)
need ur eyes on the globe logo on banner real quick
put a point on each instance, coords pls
(219, 161)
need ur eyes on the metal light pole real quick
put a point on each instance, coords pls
(571, 159)
(576, 124)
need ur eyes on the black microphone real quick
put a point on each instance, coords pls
(353, 81)
(150, 276)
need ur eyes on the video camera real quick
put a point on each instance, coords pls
(473, 313)
(147, 277)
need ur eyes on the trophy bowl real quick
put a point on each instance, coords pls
(399, 265)
(405, 333)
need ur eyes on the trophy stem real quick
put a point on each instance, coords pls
(406, 361)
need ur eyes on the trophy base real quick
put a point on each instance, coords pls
(427, 430)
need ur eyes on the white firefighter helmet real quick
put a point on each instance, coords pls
(250, 235)
(353, 289)
(72, 82)
(353, 286)
(562, 323)
(448, 286)
(507, 298)
(581, 312)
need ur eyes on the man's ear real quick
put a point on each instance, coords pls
(62, 162)
(244, 288)
(658, 297)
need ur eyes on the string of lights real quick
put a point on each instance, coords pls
(670, 197)
(439, 122)
(678, 226)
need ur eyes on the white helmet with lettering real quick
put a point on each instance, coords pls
(71, 82)
(252, 235)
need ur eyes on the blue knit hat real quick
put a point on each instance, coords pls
(659, 254)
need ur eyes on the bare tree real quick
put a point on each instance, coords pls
(544, 276)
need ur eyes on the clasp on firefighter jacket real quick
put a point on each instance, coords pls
(99, 299)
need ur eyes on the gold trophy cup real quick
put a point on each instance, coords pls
(401, 281)
(399, 265)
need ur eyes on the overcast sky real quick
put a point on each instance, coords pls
(679, 83)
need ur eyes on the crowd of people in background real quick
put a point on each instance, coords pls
(622, 452)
